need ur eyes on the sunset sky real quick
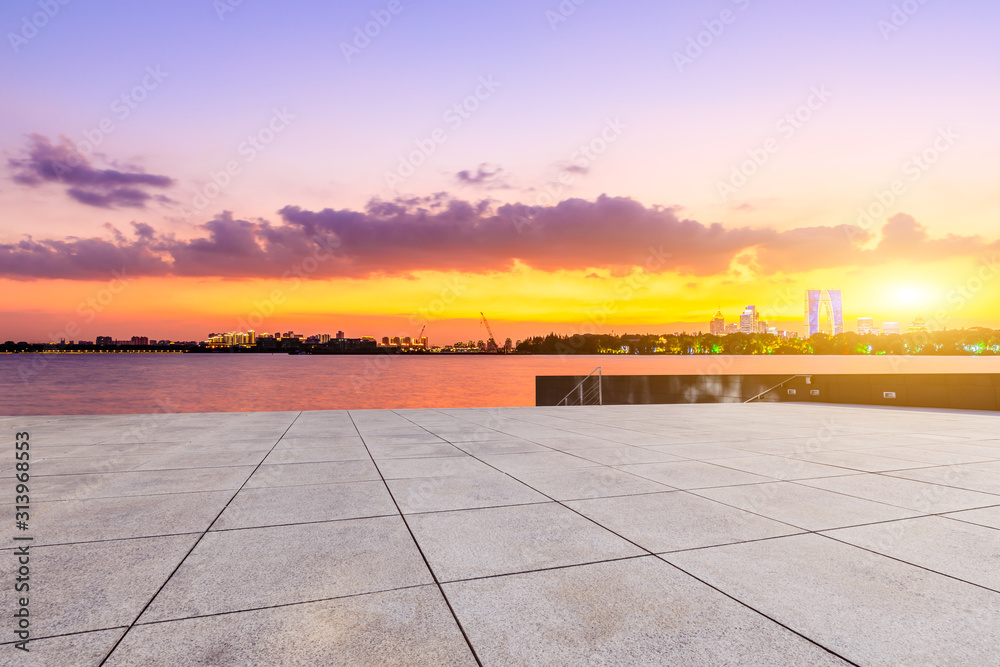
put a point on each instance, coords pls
(174, 168)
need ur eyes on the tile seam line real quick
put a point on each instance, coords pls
(193, 547)
(283, 605)
(703, 582)
(427, 564)
(888, 504)
(118, 474)
(905, 562)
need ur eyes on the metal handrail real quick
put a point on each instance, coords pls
(777, 386)
(600, 389)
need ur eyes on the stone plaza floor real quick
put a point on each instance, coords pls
(722, 534)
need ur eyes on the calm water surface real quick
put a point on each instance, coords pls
(150, 383)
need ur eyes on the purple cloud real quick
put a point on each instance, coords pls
(61, 163)
(440, 233)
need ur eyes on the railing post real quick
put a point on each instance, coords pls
(600, 387)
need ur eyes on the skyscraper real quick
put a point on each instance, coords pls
(750, 320)
(866, 325)
(828, 300)
(717, 327)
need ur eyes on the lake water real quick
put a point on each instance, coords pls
(151, 383)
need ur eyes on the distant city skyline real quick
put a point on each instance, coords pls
(177, 168)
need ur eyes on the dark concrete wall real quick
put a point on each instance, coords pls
(944, 390)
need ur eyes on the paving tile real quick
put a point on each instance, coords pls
(64, 487)
(86, 520)
(538, 462)
(860, 461)
(419, 438)
(302, 474)
(300, 504)
(156, 482)
(705, 452)
(295, 442)
(634, 612)
(507, 446)
(624, 455)
(437, 494)
(243, 445)
(78, 650)
(450, 466)
(88, 464)
(804, 506)
(962, 550)
(318, 454)
(926, 455)
(262, 567)
(501, 540)
(870, 609)
(964, 477)
(920, 496)
(404, 627)
(677, 520)
(415, 451)
(589, 483)
(780, 467)
(212, 459)
(693, 474)
(988, 516)
(86, 587)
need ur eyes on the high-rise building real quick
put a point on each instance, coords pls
(340, 335)
(750, 320)
(826, 300)
(866, 325)
(717, 327)
(324, 338)
(890, 328)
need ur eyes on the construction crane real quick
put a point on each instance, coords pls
(492, 339)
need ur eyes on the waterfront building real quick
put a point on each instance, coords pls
(749, 320)
(717, 327)
(866, 325)
(827, 301)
